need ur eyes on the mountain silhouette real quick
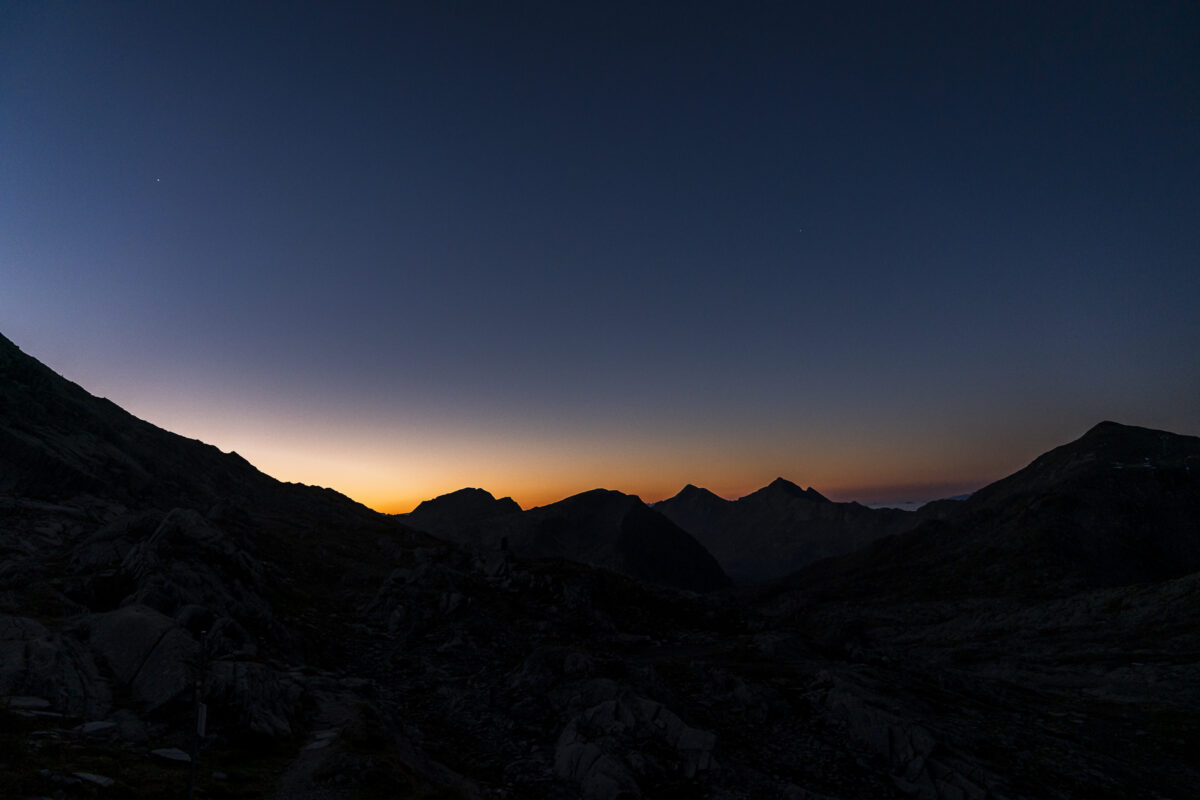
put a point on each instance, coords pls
(458, 510)
(61, 442)
(599, 527)
(1118, 506)
(777, 529)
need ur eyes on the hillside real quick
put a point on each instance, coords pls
(1118, 506)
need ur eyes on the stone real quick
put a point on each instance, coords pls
(171, 754)
(147, 651)
(28, 703)
(91, 777)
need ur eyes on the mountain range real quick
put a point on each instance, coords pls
(1038, 639)
(779, 528)
(604, 528)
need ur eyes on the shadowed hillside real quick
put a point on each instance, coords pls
(1120, 505)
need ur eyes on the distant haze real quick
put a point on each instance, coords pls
(890, 252)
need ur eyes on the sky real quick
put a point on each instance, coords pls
(893, 251)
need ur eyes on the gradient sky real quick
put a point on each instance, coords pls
(890, 250)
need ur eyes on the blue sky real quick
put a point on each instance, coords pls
(542, 247)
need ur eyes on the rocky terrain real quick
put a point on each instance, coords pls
(1041, 641)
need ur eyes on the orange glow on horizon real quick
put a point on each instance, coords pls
(890, 493)
(393, 467)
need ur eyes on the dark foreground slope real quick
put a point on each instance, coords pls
(779, 528)
(60, 443)
(344, 655)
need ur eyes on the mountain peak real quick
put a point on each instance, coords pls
(1107, 449)
(598, 498)
(784, 486)
(599, 493)
(466, 493)
(695, 493)
(1128, 443)
(459, 508)
(1107, 431)
(1104, 426)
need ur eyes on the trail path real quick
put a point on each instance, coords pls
(334, 713)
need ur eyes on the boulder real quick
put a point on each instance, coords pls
(171, 754)
(147, 652)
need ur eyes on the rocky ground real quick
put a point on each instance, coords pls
(415, 668)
